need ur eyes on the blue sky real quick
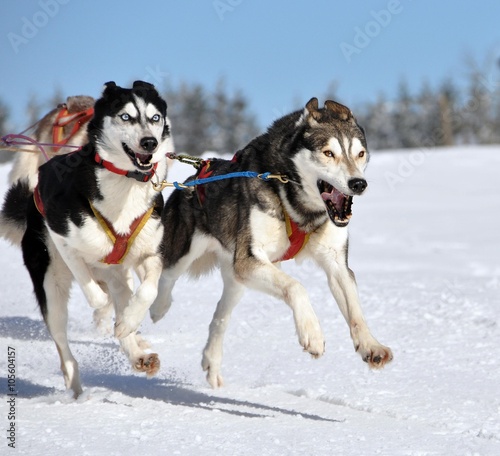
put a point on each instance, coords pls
(277, 52)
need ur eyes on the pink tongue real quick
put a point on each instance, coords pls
(336, 197)
(143, 157)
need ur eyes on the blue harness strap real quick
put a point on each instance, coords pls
(206, 180)
(206, 177)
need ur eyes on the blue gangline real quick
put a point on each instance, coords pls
(206, 180)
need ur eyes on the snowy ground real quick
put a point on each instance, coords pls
(425, 247)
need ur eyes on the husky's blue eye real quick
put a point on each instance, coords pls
(156, 118)
(125, 117)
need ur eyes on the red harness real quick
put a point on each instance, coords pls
(298, 238)
(121, 242)
(202, 174)
(64, 118)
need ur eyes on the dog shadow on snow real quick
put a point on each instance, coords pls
(170, 391)
(23, 328)
(166, 391)
(25, 389)
(175, 393)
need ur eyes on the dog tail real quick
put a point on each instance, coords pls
(13, 214)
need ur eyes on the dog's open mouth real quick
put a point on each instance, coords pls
(141, 161)
(337, 204)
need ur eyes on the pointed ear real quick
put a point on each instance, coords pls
(311, 110)
(340, 111)
(142, 89)
(142, 85)
(312, 105)
(108, 87)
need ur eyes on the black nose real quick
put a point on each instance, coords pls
(149, 143)
(357, 185)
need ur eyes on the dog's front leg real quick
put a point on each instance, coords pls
(120, 282)
(329, 248)
(261, 275)
(132, 316)
(343, 287)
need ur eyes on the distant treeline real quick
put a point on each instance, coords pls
(435, 117)
(221, 121)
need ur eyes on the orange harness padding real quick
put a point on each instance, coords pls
(64, 117)
(121, 242)
(298, 238)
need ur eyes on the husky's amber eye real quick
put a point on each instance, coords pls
(125, 117)
(329, 153)
(155, 118)
(361, 154)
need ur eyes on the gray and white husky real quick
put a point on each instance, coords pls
(243, 225)
(95, 216)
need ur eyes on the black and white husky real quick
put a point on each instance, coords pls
(248, 226)
(95, 216)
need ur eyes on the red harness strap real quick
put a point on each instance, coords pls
(64, 117)
(203, 173)
(121, 242)
(298, 238)
(38, 201)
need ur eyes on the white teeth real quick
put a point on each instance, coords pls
(142, 161)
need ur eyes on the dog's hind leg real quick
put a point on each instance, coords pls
(341, 280)
(57, 285)
(212, 354)
(52, 282)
